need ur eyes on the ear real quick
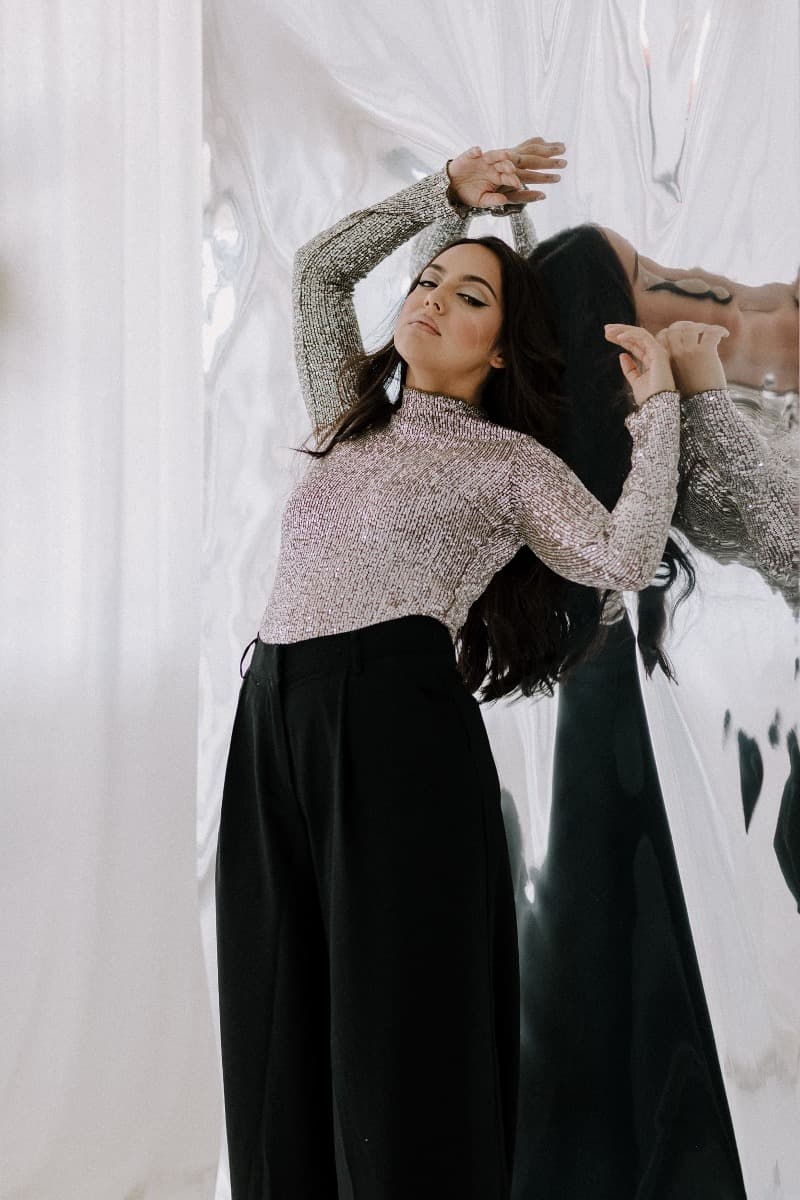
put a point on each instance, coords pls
(497, 361)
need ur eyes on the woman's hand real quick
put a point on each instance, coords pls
(644, 361)
(535, 160)
(693, 349)
(488, 179)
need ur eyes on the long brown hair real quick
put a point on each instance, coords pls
(587, 286)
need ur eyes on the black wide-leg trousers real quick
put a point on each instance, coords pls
(367, 950)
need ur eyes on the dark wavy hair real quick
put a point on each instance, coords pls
(523, 633)
(588, 287)
(530, 626)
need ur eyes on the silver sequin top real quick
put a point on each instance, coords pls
(417, 517)
(740, 499)
(739, 494)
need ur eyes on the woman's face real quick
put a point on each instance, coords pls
(449, 325)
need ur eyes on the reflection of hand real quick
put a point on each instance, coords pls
(535, 159)
(488, 179)
(693, 349)
(644, 361)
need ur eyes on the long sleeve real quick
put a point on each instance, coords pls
(455, 224)
(740, 496)
(326, 270)
(525, 237)
(574, 534)
(426, 245)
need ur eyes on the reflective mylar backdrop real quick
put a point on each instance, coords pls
(680, 122)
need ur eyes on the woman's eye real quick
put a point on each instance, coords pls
(426, 283)
(473, 300)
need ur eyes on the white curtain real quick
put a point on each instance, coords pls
(109, 1084)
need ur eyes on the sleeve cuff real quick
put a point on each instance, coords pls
(660, 407)
(465, 211)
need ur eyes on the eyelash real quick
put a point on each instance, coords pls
(471, 300)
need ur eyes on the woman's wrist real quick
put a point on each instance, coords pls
(453, 198)
(691, 383)
(464, 209)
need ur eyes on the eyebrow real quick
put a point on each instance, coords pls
(464, 278)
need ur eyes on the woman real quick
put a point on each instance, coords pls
(366, 935)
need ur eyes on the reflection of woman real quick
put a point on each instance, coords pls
(618, 1052)
(761, 319)
(737, 498)
(621, 1092)
(366, 935)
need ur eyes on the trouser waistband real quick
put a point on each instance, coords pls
(411, 636)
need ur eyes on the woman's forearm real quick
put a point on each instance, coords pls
(326, 270)
(728, 464)
(575, 535)
(456, 224)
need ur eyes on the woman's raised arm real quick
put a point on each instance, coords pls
(567, 526)
(535, 160)
(575, 535)
(326, 269)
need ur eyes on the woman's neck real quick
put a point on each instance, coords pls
(438, 386)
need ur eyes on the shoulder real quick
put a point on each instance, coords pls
(523, 460)
(513, 444)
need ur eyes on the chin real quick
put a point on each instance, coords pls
(412, 359)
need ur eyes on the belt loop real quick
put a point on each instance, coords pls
(244, 652)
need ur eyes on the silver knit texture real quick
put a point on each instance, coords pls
(416, 517)
(432, 240)
(740, 498)
(326, 270)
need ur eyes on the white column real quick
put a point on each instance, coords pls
(108, 1079)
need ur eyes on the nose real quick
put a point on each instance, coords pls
(432, 300)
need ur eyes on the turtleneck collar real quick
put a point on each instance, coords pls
(433, 404)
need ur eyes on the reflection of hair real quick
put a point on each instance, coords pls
(588, 288)
(529, 625)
